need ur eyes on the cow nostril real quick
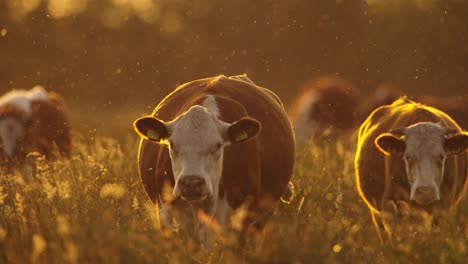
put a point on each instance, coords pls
(425, 190)
(192, 181)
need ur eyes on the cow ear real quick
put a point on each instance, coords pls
(243, 129)
(456, 143)
(390, 144)
(151, 128)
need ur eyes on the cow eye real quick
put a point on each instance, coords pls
(441, 157)
(408, 158)
(216, 148)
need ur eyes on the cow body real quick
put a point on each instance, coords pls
(384, 94)
(413, 155)
(32, 121)
(204, 162)
(325, 108)
(455, 106)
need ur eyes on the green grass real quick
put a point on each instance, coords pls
(93, 209)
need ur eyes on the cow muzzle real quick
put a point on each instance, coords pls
(192, 188)
(425, 195)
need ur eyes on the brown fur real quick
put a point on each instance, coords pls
(47, 126)
(455, 106)
(384, 94)
(255, 171)
(382, 179)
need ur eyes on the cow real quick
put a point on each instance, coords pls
(32, 121)
(384, 94)
(214, 147)
(410, 156)
(455, 106)
(325, 108)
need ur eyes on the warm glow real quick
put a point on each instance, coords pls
(20, 8)
(64, 8)
(171, 23)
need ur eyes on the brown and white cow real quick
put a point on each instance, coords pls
(212, 146)
(386, 93)
(411, 154)
(383, 94)
(325, 108)
(32, 121)
(455, 106)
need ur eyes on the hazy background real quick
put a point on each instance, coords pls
(113, 60)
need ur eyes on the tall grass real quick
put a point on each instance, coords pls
(93, 209)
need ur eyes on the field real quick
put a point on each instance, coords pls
(92, 209)
(113, 60)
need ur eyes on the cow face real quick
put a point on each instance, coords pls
(12, 131)
(196, 141)
(423, 147)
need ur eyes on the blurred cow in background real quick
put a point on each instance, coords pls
(384, 94)
(325, 108)
(32, 121)
(455, 106)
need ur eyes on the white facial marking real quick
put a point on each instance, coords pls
(211, 105)
(21, 99)
(196, 149)
(11, 131)
(304, 127)
(425, 160)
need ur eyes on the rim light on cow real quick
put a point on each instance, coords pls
(423, 147)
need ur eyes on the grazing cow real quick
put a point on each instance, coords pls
(410, 154)
(325, 108)
(32, 121)
(222, 144)
(384, 94)
(455, 106)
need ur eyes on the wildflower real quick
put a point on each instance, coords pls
(63, 228)
(135, 204)
(39, 245)
(166, 192)
(8, 211)
(49, 190)
(112, 190)
(63, 189)
(209, 222)
(237, 218)
(19, 203)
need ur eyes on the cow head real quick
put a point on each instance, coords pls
(12, 131)
(196, 141)
(423, 147)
